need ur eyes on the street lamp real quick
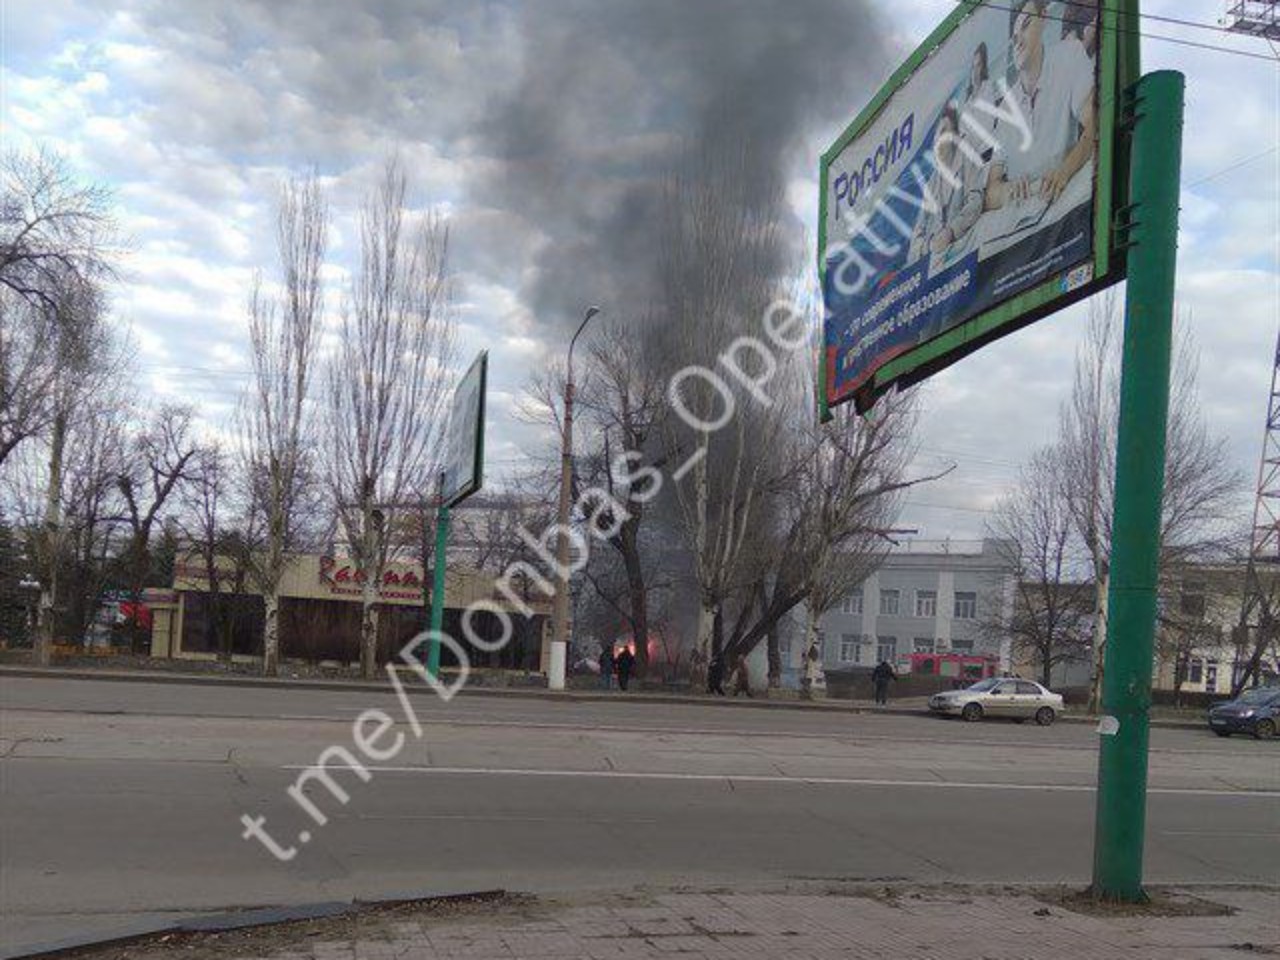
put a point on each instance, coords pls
(561, 609)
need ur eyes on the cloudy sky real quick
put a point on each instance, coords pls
(533, 124)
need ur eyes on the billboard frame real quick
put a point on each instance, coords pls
(451, 498)
(1118, 70)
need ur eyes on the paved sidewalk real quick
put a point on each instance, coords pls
(882, 922)
(914, 706)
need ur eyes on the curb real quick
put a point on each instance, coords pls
(230, 920)
(515, 693)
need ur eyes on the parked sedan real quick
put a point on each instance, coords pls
(1000, 697)
(1255, 711)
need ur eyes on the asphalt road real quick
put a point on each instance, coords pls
(122, 802)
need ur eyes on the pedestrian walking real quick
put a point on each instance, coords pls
(715, 674)
(606, 667)
(880, 677)
(626, 662)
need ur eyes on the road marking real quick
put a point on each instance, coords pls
(852, 738)
(804, 781)
(1219, 836)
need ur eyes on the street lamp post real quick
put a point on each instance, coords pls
(560, 611)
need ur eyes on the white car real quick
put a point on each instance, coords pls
(1000, 697)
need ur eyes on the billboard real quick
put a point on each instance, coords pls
(464, 447)
(973, 195)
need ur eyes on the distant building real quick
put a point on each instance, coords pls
(927, 597)
(320, 614)
(1196, 649)
(1198, 622)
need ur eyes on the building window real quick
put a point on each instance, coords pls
(966, 605)
(927, 603)
(1211, 676)
(962, 646)
(1192, 600)
(849, 644)
(888, 603)
(886, 649)
(852, 603)
(923, 645)
(1196, 673)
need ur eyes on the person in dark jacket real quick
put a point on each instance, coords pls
(626, 663)
(715, 674)
(880, 677)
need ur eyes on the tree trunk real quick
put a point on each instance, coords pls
(811, 664)
(706, 618)
(638, 601)
(271, 632)
(369, 628)
(51, 545)
(1046, 670)
(1180, 666)
(1101, 589)
(775, 658)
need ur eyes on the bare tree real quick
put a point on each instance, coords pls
(1051, 612)
(275, 425)
(161, 459)
(219, 535)
(54, 232)
(73, 556)
(846, 495)
(1199, 482)
(86, 360)
(388, 385)
(624, 398)
(716, 277)
(28, 370)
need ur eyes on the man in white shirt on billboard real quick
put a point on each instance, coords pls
(1055, 92)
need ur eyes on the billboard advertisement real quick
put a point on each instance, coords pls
(973, 195)
(464, 445)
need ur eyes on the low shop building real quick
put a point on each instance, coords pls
(320, 614)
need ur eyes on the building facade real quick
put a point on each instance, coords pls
(935, 597)
(320, 614)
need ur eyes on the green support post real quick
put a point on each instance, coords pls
(1140, 461)
(437, 590)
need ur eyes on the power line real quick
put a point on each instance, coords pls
(1199, 25)
(1120, 28)
(1234, 166)
(947, 506)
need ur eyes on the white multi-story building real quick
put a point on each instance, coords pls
(928, 596)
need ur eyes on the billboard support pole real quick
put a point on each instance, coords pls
(1120, 820)
(437, 586)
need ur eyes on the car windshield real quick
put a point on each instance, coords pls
(1259, 695)
(982, 685)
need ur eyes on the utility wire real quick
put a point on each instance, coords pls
(1197, 24)
(1228, 169)
(1121, 28)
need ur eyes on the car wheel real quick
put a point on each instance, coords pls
(1264, 729)
(972, 712)
(1223, 733)
(1045, 716)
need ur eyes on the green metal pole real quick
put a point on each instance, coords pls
(437, 590)
(1140, 459)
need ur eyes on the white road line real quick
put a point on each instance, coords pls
(803, 781)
